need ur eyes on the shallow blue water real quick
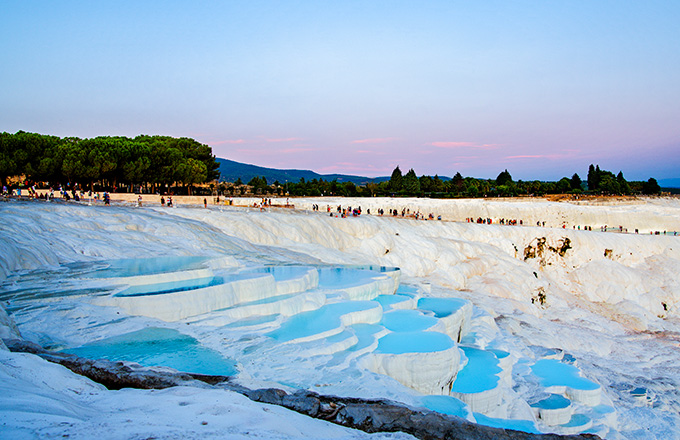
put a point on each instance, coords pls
(500, 354)
(339, 277)
(577, 420)
(414, 342)
(480, 372)
(170, 286)
(387, 301)
(554, 401)
(601, 409)
(441, 307)
(147, 266)
(407, 290)
(322, 320)
(158, 346)
(365, 333)
(639, 392)
(184, 285)
(281, 273)
(255, 320)
(517, 425)
(552, 372)
(446, 405)
(407, 321)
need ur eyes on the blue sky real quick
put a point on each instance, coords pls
(542, 88)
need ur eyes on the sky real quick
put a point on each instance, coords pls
(540, 88)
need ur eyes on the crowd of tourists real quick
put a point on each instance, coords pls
(77, 194)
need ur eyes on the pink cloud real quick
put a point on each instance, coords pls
(355, 168)
(253, 152)
(374, 140)
(228, 141)
(290, 139)
(539, 156)
(296, 150)
(449, 144)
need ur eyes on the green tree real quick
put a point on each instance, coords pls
(192, 171)
(396, 180)
(472, 189)
(411, 184)
(255, 181)
(8, 167)
(74, 164)
(349, 189)
(504, 178)
(426, 184)
(563, 186)
(608, 184)
(437, 184)
(592, 178)
(624, 187)
(457, 183)
(372, 188)
(651, 187)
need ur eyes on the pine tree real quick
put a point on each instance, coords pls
(503, 178)
(457, 183)
(591, 178)
(624, 188)
(411, 184)
(396, 180)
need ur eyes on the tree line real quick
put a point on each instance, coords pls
(598, 182)
(164, 163)
(107, 162)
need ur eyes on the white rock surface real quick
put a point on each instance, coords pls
(616, 313)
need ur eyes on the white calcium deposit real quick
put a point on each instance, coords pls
(606, 302)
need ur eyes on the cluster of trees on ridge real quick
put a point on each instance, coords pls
(409, 185)
(156, 163)
(107, 162)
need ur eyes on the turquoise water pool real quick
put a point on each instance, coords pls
(480, 373)
(552, 372)
(281, 273)
(517, 425)
(387, 301)
(366, 334)
(339, 277)
(146, 266)
(184, 285)
(159, 347)
(407, 321)
(320, 321)
(446, 405)
(441, 307)
(554, 401)
(170, 286)
(414, 342)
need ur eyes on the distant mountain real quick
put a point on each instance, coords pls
(669, 183)
(230, 171)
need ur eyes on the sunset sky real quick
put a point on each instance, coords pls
(542, 88)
